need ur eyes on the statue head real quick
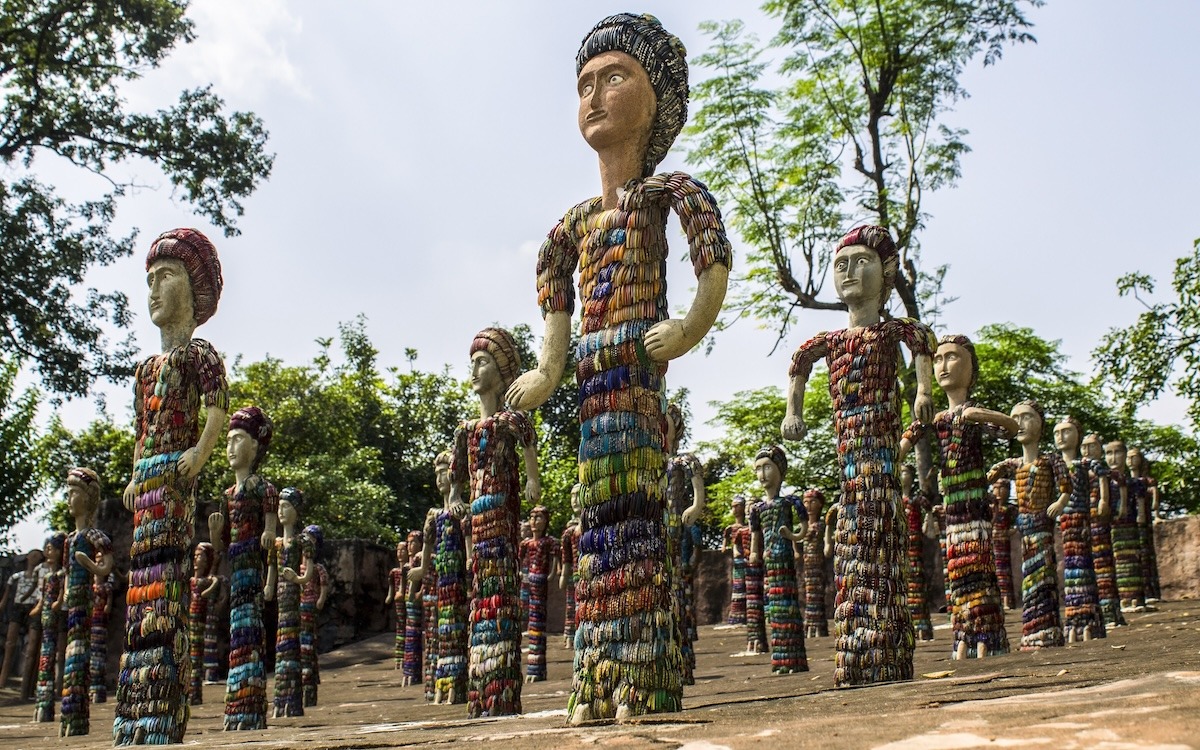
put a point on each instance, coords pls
(633, 83)
(539, 519)
(576, 507)
(183, 270)
(1030, 420)
(53, 549)
(1136, 461)
(402, 551)
(1067, 434)
(1114, 455)
(865, 266)
(908, 475)
(250, 432)
(955, 364)
(495, 361)
(814, 501)
(316, 536)
(1001, 489)
(738, 506)
(416, 542)
(441, 472)
(1092, 446)
(291, 502)
(770, 466)
(83, 494)
(202, 559)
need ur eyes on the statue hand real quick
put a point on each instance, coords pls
(459, 509)
(416, 574)
(793, 428)
(216, 524)
(923, 408)
(666, 340)
(829, 550)
(1054, 509)
(269, 592)
(530, 390)
(188, 465)
(129, 495)
(786, 532)
(691, 515)
(288, 575)
(266, 540)
(533, 489)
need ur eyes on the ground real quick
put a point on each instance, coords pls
(1139, 688)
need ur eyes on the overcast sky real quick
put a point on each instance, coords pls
(425, 149)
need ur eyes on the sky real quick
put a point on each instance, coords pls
(423, 151)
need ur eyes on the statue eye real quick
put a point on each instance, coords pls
(585, 90)
(616, 78)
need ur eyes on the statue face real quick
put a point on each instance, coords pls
(485, 373)
(1134, 459)
(1091, 448)
(53, 555)
(1114, 455)
(813, 505)
(402, 552)
(617, 104)
(575, 505)
(767, 473)
(240, 449)
(739, 512)
(858, 275)
(1029, 424)
(1000, 490)
(442, 478)
(526, 529)
(414, 547)
(538, 523)
(200, 562)
(77, 500)
(287, 513)
(1066, 436)
(951, 365)
(170, 296)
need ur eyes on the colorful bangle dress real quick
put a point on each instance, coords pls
(396, 581)
(1102, 554)
(246, 508)
(76, 679)
(977, 612)
(737, 575)
(1141, 488)
(289, 697)
(429, 639)
(453, 602)
(101, 597)
(486, 453)
(310, 668)
(815, 620)
(570, 561)
(538, 557)
(1002, 524)
(44, 696)
(915, 508)
(875, 639)
(756, 623)
(414, 633)
(678, 499)
(1081, 604)
(198, 607)
(781, 603)
(625, 649)
(213, 622)
(1126, 545)
(169, 391)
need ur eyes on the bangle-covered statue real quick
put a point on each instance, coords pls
(414, 626)
(1100, 507)
(875, 639)
(397, 596)
(1004, 514)
(312, 600)
(1082, 620)
(204, 588)
(539, 554)
(816, 624)
(184, 278)
(568, 578)
(102, 588)
(1145, 489)
(1126, 543)
(632, 87)
(49, 610)
(735, 539)
(685, 503)
(293, 554)
(917, 514)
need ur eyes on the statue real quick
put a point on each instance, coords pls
(102, 587)
(1125, 542)
(292, 552)
(772, 522)
(539, 553)
(21, 592)
(444, 564)
(874, 643)
(976, 610)
(1081, 617)
(1146, 491)
(204, 586)
(216, 619)
(685, 504)
(1004, 514)
(816, 625)
(1100, 516)
(414, 615)
(486, 452)
(49, 610)
(397, 596)
(184, 278)
(1037, 476)
(918, 515)
(246, 523)
(632, 86)
(312, 598)
(735, 538)
(568, 578)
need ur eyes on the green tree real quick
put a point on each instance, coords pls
(62, 66)
(857, 133)
(21, 465)
(103, 446)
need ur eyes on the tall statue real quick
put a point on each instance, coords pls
(685, 504)
(816, 625)
(918, 516)
(1125, 542)
(203, 587)
(184, 278)
(1100, 515)
(102, 587)
(414, 625)
(632, 87)
(312, 600)
(735, 539)
(1146, 491)
(292, 554)
(49, 611)
(246, 523)
(1043, 491)
(88, 555)
(875, 642)
(568, 577)
(975, 606)
(1081, 616)
(1004, 514)
(397, 596)
(540, 554)
(773, 529)
(486, 454)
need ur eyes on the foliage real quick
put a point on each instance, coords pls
(855, 134)
(21, 466)
(103, 446)
(62, 65)
(1138, 361)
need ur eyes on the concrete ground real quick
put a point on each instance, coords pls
(1139, 688)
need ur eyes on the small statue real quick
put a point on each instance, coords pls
(772, 522)
(414, 615)
(975, 606)
(184, 277)
(245, 524)
(292, 552)
(312, 599)
(397, 596)
(216, 619)
(735, 538)
(1126, 544)
(102, 587)
(919, 518)
(88, 555)
(540, 554)
(1004, 514)
(21, 592)
(486, 452)
(685, 504)
(816, 624)
(1145, 489)
(1081, 617)
(49, 610)
(1037, 476)
(568, 579)
(875, 643)
(632, 87)
(1100, 515)
(204, 587)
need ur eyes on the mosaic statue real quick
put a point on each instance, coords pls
(245, 524)
(292, 553)
(632, 87)
(875, 642)
(204, 587)
(184, 278)
(414, 615)
(975, 606)
(1126, 544)
(540, 554)
(568, 577)
(102, 587)
(1082, 620)
(21, 592)
(397, 596)
(1043, 490)
(1004, 515)
(917, 514)
(216, 619)
(1145, 489)
(49, 610)
(816, 624)
(735, 539)
(312, 599)
(1100, 514)
(685, 500)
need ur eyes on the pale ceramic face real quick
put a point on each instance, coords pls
(240, 449)
(739, 512)
(170, 293)
(414, 547)
(952, 366)
(1133, 460)
(857, 274)
(1092, 449)
(1000, 490)
(617, 104)
(538, 523)
(442, 478)
(485, 373)
(575, 506)
(287, 513)
(1114, 455)
(813, 506)
(402, 552)
(1029, 424)
(53, 555)
(1066, 436)
(200, 563)
(767, 473)
(77, 500)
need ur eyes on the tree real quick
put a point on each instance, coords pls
(103, 446)
(856, 134)
(21, 467)
(62, 65)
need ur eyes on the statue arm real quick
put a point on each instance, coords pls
(534, 387)
(214, 581)
(923, 405)
(699, 493)
(1003, 422)
(793, 426)
(194, 458)
(323, 596)
(418, 573)
(673, 337)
